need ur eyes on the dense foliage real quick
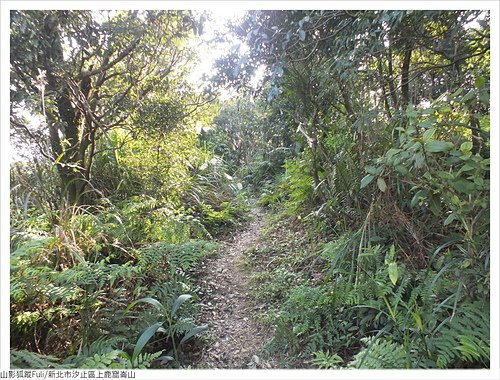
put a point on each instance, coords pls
(388, 172)
(367, 139)
(117, 198)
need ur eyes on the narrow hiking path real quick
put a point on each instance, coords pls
(236, 339)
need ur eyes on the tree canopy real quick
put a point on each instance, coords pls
(89, 72)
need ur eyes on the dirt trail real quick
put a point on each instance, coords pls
(237, 340)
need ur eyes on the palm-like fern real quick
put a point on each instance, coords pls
(464, 336)
(28, 359)
(380, 353)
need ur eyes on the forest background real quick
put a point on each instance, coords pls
(494, 171)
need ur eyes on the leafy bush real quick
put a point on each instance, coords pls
(299, 186)
(46, 297)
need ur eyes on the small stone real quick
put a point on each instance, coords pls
(256, 359)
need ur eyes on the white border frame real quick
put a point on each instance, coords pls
(493, 6)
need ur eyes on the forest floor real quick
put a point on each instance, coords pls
(236, 340)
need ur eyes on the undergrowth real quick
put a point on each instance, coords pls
(352, 299)
(70, 286)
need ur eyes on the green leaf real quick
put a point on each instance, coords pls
(391, 152)
(381, 184)
(149, 300)
(465, 264)
(194, 331)
(450, 219)
(144, 339)
(464, 186)
(466, 168)
(446, 175)
(414, 147)
(466, 147)
(435, 205)
(179, 301)
(420, 195)
(367, 180)
(419, 160)
(389, 256)
(418, 320)
(393, 272)
(401, 169)
(438, 146)
(428, 134)
(427, 123)
(480, 82)
(457, 93)
(484, 97)
(373, 170)
(411, 112)
(470, 95)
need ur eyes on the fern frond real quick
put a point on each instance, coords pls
(102, 361)
(380, 353)
(465, 336)
(145, 360)
(325, 360)
(28, 359)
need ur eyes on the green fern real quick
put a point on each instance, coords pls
(380, 353)
(325, 360)
(101, 355)
(100, 347)
(473, 348)
(121, 273)
(109, 359)
(174, 256)
(29, 250)
(143, 360)
(28, 359)
(464, 336)
(186, 255)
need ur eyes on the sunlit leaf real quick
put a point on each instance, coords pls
(393, 272)
(466, 146)
(479, 82)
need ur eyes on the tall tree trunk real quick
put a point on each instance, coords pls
(477, 140)
(314, 159)
(405, 76)
(62, 119)
(390, 67)
(382, 86)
